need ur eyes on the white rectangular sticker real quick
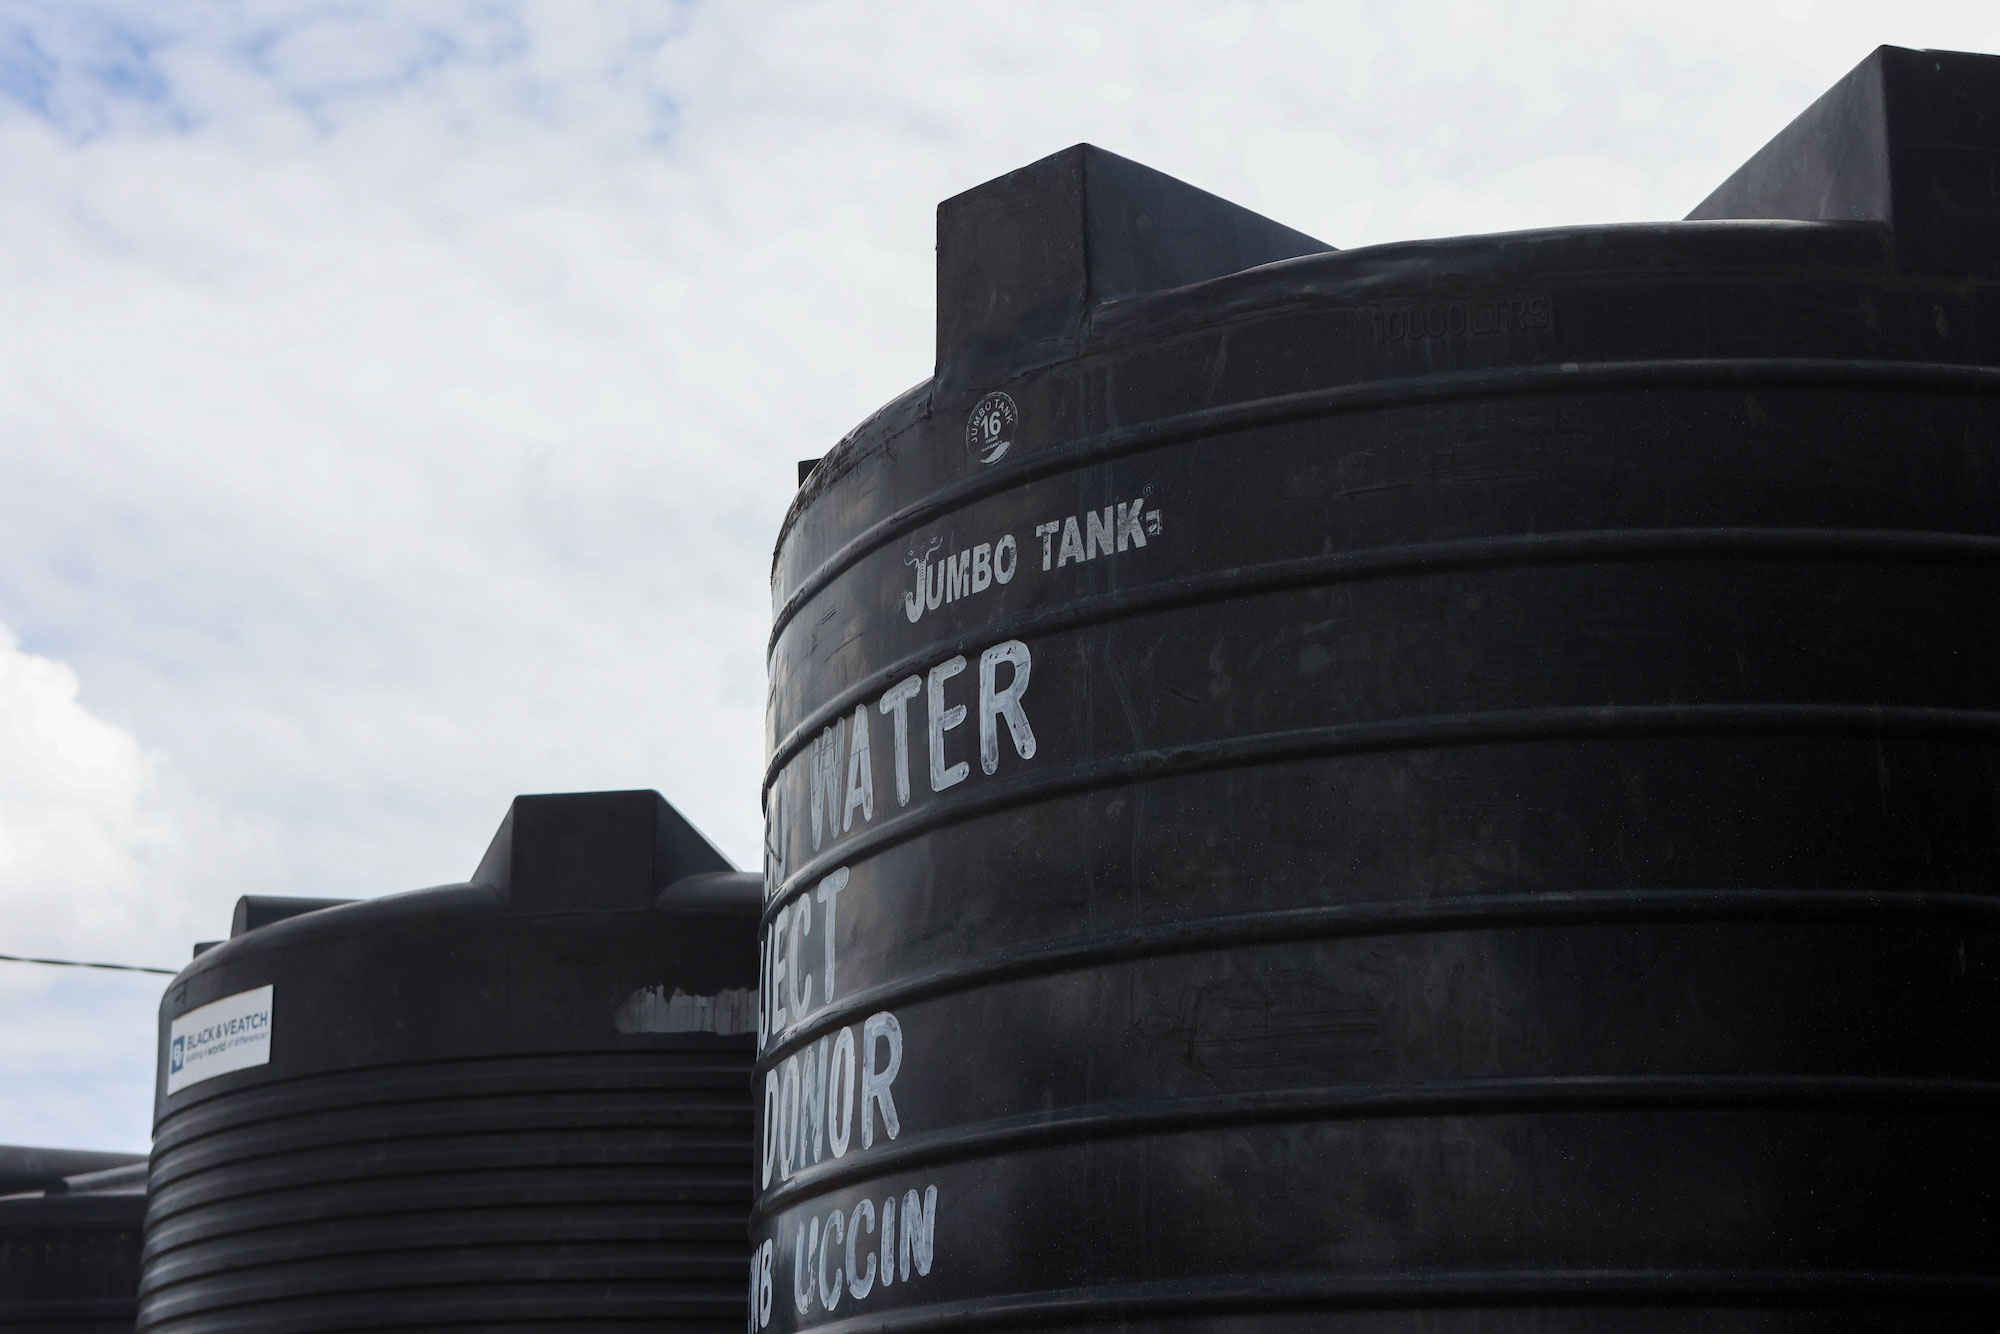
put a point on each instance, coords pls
(233, 1033)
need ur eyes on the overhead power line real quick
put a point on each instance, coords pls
(77, 963)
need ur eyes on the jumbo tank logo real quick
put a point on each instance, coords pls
(989, 431)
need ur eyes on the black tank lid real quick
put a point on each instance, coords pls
(593, 852)
(259, 910)
(1907, 139)
(1022, 258)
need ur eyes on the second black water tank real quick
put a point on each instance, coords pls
(517, 1103)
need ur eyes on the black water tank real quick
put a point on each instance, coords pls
(1450, 786)
(70, 1225)
(518, 1103)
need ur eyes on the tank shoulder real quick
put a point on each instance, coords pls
(356, 917)
(876, 433)
(1666, 251)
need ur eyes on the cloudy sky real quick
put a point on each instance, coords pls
(398, 399)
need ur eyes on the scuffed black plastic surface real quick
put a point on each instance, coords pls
(1474, 807)
(516, 1103)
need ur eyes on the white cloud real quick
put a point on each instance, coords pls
(95, 829)
(400, 399)
(96, 843)
(71, 788)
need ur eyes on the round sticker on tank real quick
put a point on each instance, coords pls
(989, 431)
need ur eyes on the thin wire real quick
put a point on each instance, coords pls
(73, 963)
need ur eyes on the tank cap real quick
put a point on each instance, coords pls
(1021, 259)
(255, 910)
(593, 852)
(1910, 139)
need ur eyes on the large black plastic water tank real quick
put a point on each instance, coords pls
(1449, 786)
(520, 1103)
(70, 1225)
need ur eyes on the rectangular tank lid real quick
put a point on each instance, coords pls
(593, 852)
(1910, 139)
(258, 910)
(1021, 259)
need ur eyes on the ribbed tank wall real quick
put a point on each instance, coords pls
(589, 1190)
(1453, 787)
